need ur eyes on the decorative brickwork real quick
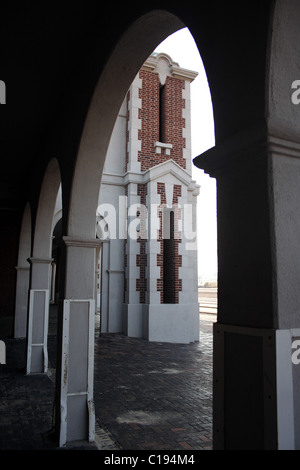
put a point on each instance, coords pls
(155, 130)
(161, 118)
(173, 104)
(177, 240)
(141, 259)
(168, 259)
(149, 273)
(160, 256)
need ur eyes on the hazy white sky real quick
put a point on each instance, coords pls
(181, 47)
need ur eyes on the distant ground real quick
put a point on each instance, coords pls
(208, 300)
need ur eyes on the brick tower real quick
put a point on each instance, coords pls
(147, 211)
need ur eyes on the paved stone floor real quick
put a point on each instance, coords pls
(148, 396)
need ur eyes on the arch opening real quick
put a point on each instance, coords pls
(82, 246)
(136, 159)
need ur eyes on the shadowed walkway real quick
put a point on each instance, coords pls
(148, 396)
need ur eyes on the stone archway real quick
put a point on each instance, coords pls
(252, 130)
(40, 282)
(82, 246)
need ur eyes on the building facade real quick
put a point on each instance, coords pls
(147, 281)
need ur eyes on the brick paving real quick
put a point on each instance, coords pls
(26, 403)
(153, 396)
(148, 396)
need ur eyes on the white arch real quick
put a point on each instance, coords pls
(45, 212)
(25, 238)
(58, 208)
(129, 55)
(37, 354)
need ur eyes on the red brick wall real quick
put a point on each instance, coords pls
(174, 123)
(172, 105)
(161, 120)
(177, 241)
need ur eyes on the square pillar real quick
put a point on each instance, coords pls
(244, 388)
(76, 398)
(75, 416)
(256, 383)
(22, 289)
(38, 315)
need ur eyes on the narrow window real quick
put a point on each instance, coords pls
(169, 284)
(161, 114)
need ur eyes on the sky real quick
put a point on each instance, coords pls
(181, 47)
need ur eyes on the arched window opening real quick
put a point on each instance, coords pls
(139, 172)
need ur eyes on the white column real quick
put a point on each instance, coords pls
(256, 383)
(186, 131)
(132, 309)
(285, 171)
(37, 360)
(188, 272)
(75, 383)
(134, 125)
(244, 388)
(22, 289)
(104, 286)
(97, 278)
(153, 245)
